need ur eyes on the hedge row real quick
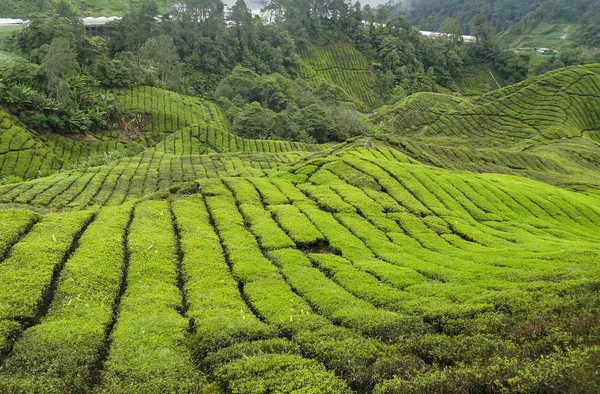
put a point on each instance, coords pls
(62, 352)
(137, 177)
(30, 271)
(147, 347)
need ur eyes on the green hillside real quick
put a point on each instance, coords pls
(395, 249)
(159, 112)
(538, 23)
(23, 8)
(341, 64)
(22, 155)
(544, 129)
(455, 251)
(545, 35)
(557, 105)
(149, 115)
(478, 79)
(206, 150)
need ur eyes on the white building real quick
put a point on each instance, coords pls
(11, 22)
(438, 34)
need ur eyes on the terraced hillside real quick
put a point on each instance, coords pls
(545, 129)
(26, 154)
(417, 262)
(557, 105)
(161, 112)
(21, 155)
(149, 116)
(341, 64)
(477, 79)
(333, 277)
(204, 151)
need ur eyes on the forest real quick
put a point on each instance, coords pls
(59, 79)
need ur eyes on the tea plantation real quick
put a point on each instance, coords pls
(456, 252)
(342, 65)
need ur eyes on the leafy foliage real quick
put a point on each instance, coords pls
(275, 107)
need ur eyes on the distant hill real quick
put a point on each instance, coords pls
(516, 15)
(553, 106)
(546, 128)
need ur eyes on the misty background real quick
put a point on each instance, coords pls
(258, 4)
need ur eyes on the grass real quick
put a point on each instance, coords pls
(455, 252)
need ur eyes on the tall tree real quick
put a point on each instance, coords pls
(591, 31)
(59, 65)
(339, 10)
(42, 29)
(242, 26)
(275, 12)
(136, 27)
(357, 12)
(206, 11)
(382, 15)
(161, 53)
(484, 33)
(451, 27)
(368, 14)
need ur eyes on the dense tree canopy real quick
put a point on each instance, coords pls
(202, 47)
(274, 106)
(21, 8)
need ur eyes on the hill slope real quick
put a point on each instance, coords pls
(411, 262)
(149, 116)
(341, 64)
(204, 150)
(23, 8)
(516, 17)
(544, 128)
(560, 104)
(21, 153)
(394, 249)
